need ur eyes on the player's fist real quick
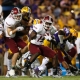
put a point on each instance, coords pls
(20, 28)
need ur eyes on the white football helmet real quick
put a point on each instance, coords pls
(16, 14)
(1, 14)
(48, 22)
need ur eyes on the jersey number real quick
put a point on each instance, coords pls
(40, 39)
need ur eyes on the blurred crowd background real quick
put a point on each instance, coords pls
(64, 12)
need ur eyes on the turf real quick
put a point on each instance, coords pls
(44, 78)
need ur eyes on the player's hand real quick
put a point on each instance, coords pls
(48, 37)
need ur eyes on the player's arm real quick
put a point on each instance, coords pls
(11, 31)
(32, 35)
(61, 35)
(67, 37)
(36, 29)
(30, 21)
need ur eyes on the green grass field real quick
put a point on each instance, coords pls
(43, 78)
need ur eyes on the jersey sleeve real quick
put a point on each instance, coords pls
(53, 30)
(38, 28)
(9, 22)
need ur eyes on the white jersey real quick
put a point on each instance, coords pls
(40, 34)
(68, 46)
(77, 42)
(53, 30)
(9, 22)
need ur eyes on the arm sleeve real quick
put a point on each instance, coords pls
(9, 23)
(38, 28)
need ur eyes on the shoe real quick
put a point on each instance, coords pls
(12, 73)
(23, 73)
(69, 74)
(59, 72)
(31, 71)
(57, 76)
(7, 74)
(79, 71)
(76, 73)
(37, 73)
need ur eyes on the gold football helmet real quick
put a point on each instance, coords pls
(26, 9)
(26, 13)
(37, 21)
(74, 32)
